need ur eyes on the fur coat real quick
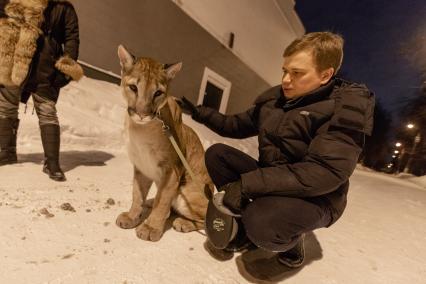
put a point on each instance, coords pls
(31, 38)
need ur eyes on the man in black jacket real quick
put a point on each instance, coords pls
(310, 131)
(38, 51)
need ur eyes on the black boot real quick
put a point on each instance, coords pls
(50, 137)
(8, 131)
(295, 256)
(240, 242)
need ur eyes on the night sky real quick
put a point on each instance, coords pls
(385, 43)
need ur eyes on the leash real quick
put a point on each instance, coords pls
(169, 134)
(167, 131)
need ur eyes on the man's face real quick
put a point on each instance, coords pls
(300, 75)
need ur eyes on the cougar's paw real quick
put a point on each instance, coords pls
(148, 233)
(125, 222)
(184, 225)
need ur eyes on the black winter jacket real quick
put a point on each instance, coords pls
(308, 147)
(61, 36)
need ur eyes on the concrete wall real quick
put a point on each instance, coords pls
(161, 30)
(262, 29)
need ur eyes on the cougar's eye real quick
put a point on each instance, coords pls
(158, 93)
(134, 88)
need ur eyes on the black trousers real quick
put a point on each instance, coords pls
(274, 223)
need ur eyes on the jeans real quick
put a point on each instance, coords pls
(9, 105)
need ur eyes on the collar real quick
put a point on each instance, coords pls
(314, 96)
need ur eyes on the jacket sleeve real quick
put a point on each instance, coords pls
(330, 160)
(241, 125)
(71, 32)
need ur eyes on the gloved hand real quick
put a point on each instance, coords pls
(234, 198)
(61, 80)
(188, 107)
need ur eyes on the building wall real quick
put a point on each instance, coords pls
(262, 29)
(163, 31)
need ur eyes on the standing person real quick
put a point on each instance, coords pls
(39, 42)
(310, 131)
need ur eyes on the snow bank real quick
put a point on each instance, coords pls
(91, 114)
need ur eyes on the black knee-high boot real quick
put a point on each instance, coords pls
(8, 132)
(50, 137)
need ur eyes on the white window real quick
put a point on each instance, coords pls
(214, 91)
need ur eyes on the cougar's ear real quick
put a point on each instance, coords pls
(126, 58)
(172, 69)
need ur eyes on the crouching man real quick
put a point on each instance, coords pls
(311, 131)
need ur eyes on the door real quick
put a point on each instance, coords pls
(214, 91)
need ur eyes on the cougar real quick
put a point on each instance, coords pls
(151, 111)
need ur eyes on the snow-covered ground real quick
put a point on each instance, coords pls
(380, 239)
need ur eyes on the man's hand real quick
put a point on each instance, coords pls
(188, 107)
(233, 198)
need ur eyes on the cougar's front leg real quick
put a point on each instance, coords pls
(132, 218)
(153, 227)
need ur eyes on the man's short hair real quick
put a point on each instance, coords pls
(326, 47)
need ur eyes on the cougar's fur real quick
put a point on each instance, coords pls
(144, 86)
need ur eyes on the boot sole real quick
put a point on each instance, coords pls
(46, 171)
(290, 264)
(218, 254)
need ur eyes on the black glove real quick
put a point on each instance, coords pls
(188, 107)
(61, 80)
(234, 198)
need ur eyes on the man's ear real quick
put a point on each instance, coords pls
(172, 69)
(326, 75)
(126, 58)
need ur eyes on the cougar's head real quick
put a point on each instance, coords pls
(144, 84)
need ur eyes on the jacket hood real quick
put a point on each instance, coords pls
(354, 108)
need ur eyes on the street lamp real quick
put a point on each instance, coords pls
(413, 149)
(396, 151)
(398, 144)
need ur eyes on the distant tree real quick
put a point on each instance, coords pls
(376, 150)
(414, 111)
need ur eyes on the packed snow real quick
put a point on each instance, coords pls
(65, 232)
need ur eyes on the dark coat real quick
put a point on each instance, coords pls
(308, 147)
(61, 36)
